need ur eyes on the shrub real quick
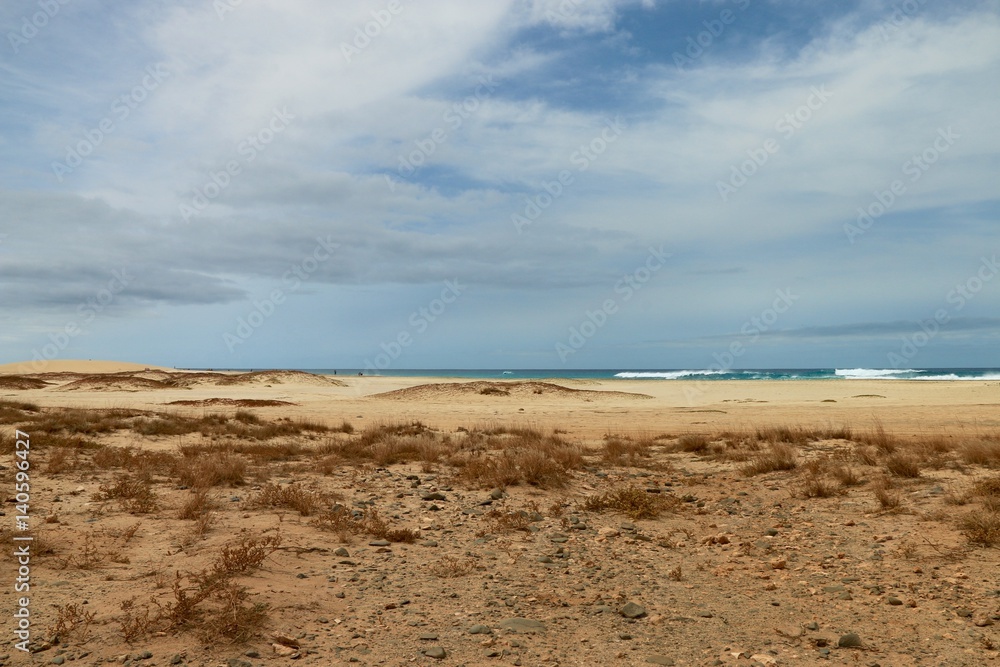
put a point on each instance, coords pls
(632, 502)
(777, 457)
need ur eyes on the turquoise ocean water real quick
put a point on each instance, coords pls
(928, 374)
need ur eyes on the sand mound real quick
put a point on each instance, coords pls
(153, 379)
(21, 382)
(234, 402)
(500, 390)
(256, 378)
(115, 383)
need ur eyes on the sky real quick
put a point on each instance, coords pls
(404, 184)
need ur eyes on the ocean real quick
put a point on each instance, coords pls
(930, 374)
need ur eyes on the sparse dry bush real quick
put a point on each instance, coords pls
(199, 504)
(506, 521)
(346, 523)
(135, 494)
(293, 496)
(879, 438)
(72, 622)
(633, 502)
(623, 451)
(208, 470)
(693, 443)
(778, 456)
(244, 555)
(903, 464)
(981, 452)
(889, 498)
(866, 455)
(981, 528)
(451, 567)
(815, 485)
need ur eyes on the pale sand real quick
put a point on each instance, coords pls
(672, 407)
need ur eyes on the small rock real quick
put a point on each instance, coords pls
(496, 494)
(850, 640)
(283, 651)
(779, 564)
(705, 614)
(480, 630)
(379, 543)
(342, 552)
(659, 660)
(428, 637)
(633, 610)
(434, 495)
(895, 602)
(58, 660)
(178, 659)
(436, 652)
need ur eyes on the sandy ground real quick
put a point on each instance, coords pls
(742, 570)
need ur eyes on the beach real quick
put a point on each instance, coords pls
(380, 520)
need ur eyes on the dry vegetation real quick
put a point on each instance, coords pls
(207, 458)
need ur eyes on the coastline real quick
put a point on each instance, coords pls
(674, 406)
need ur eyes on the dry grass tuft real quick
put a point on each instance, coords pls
(903, 465)
(293, 496)
(982, 452)
(981, 528)
(889, 498)
(633, 502)
(134, 494)
(623, 451)
(208, 470)
(778, 456)
(451, 567)
(346, 523)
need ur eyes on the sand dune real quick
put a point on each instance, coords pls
(73, 366)
(500, 390)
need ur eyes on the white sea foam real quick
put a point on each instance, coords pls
(883, 373)
(671, 375)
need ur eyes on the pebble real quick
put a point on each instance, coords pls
(496, 494)
(633, 610)
(436, 652)
(480, 630)
(659, 660)
(895, 602)
(342, 552)
(428, 637)
(522, 626)
(850, 640)
(434, 495)
(379, 543)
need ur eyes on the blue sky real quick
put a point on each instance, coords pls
(519, 183)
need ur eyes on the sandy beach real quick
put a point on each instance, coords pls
(388, 520)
